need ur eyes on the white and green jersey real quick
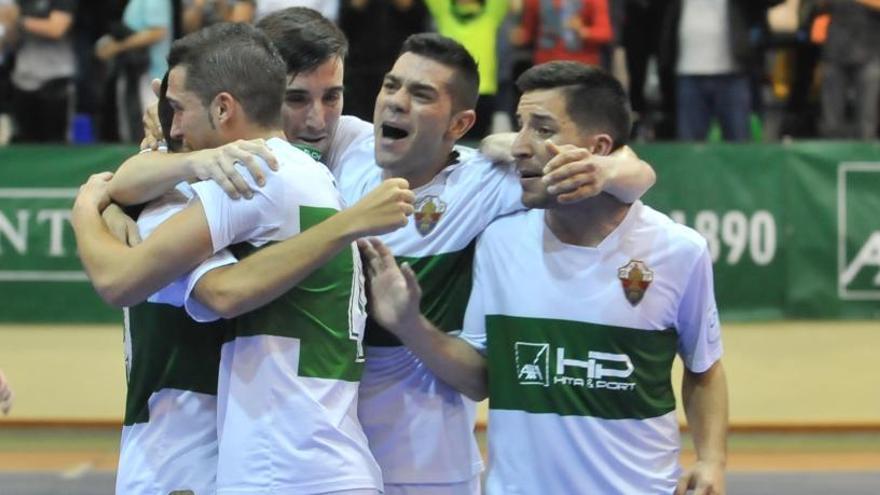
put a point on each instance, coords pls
(289, 372)
(169, 433)
(420, 429)
(580, 347)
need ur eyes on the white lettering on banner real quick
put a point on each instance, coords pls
(17, 236)
(734, 231)
(17, 232)
(869, 255)
(856, 185)
(37, 232)
(56, 229)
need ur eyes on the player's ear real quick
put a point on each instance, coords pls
(461, 123)
(224, 107)
(602, 144)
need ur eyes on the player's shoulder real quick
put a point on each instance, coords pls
(514, 227)
(473, 166)
(676, 235)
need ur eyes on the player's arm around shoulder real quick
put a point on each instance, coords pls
(124, 275)
(395, 296)
(148, 175)
(575, 174)
(232, 290)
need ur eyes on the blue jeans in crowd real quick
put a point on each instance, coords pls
(726, 97)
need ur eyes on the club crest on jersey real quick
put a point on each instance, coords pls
(428, 212)
(635, 277)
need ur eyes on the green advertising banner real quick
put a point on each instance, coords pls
(41, 279)
(794, 229)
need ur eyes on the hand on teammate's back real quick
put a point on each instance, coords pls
(218, 165)
(384, 209)
(394, 289)
(6, 395)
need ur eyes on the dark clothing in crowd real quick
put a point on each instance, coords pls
(375, 34)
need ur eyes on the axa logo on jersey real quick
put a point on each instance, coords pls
(600, 370)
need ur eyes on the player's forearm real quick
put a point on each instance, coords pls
(705, 404)
(146, 176)
(104, 258)
(53, 27)
(264, 276)
(450, 358)
(123, 275)
(629, 177)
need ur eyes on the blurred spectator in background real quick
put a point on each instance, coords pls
(642, 31)
(801, 115)
(565, 29)
(6, 395)
(138, 48)
(475, 24)
(851, 60)
(254, 10)
(716, 47)
(92, 20)
(375, 30)
(42, 78)
(8, 18)
(201, 13)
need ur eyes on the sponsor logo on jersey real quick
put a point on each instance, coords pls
(601, 370)
(635, 278)
(429, 209)
(532, 363)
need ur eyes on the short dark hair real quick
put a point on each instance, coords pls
(465, 87)
(304, 37)
(237, 59)
(595, 100)
(166, 117)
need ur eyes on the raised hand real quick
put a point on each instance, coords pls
(384, 209)
(394, 290)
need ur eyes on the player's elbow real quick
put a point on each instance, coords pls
(116, 292)
(225, 302)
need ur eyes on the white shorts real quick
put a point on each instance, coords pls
(470, 487)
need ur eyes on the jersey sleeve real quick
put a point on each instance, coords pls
(474, 331)
(504, 191)
(349, 131)
(699, 330)
(237, 220)
(194, 308)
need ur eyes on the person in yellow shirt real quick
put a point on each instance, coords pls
(475, 24)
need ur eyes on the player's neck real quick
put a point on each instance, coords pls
(248, 131)
(588, 222)
(423, 175)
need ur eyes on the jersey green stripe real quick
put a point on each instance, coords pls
(317, 312)
(169, 350)
(565, 367)
(446, 281)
